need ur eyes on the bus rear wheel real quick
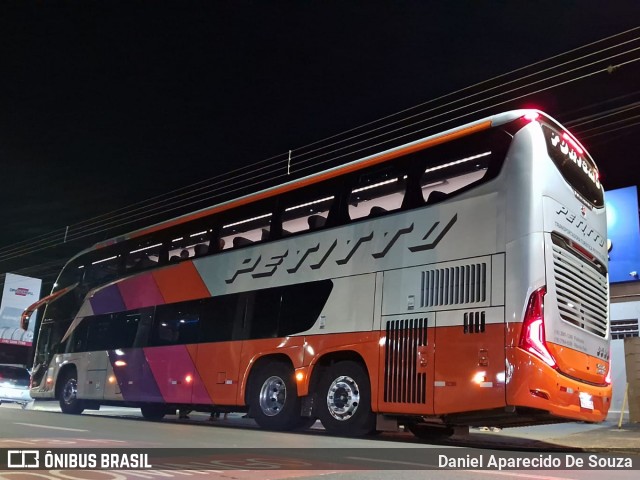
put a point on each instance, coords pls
(344, 405)
(273, 398)
(69, 402)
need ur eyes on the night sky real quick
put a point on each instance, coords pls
(104, 104)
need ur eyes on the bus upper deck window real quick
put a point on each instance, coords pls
(189, 245)
(245, 231)
(143, 256)
(306, 214)
(449, 175)
(376, 193)
(104, 269)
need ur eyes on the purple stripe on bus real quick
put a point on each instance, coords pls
(140, 291)
(134, 376)
(107, 300)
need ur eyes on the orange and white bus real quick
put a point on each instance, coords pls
(457, 280)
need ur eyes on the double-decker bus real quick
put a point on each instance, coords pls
(458, 280)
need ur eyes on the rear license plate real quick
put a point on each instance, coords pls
(586, 401)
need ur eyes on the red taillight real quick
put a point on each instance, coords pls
(607, 379)
(532, 338)
(531, 116)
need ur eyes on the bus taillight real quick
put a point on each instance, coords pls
(532, 338)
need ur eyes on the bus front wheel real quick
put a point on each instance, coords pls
(273, 398)
(344, 405)
(69, 402)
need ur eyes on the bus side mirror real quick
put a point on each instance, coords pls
(25, 317)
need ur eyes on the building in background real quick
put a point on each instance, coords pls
(623, 230)
(19, 292)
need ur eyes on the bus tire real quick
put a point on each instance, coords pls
(153, 412)
(344, 405)
(69, 402)
(273, 398)
(305, 423)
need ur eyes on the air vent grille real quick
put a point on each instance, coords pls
(461, 285)
(403, 382)
(582, 292)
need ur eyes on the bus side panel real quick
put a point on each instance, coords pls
(174, 372)
(134, 378)
(180, 282)
(95, 365)
(218, 365)
(469, 360)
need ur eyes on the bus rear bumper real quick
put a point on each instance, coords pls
(532, 383)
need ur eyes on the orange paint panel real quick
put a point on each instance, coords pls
(562, 393)
(180, 282)
(578, 364)
(218, 365)
(469, 369)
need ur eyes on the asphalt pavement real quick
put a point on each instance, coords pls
(609, 436)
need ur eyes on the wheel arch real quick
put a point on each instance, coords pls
(256, 365)
(329, 358)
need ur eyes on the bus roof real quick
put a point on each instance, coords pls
(377, 158)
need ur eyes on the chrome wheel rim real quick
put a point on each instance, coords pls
(343, 398)
(70, 391)
(273, 396)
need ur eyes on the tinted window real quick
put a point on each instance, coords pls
(267, 313)
(144, 255)
(302, 305)
(77, 341)
(376, 192)
(451, 174)
(217, 318)
(110, 331)
(282, 311)
(264, 313)
(244, 229)
(575, 167)
(306, 213)
(176, 323)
